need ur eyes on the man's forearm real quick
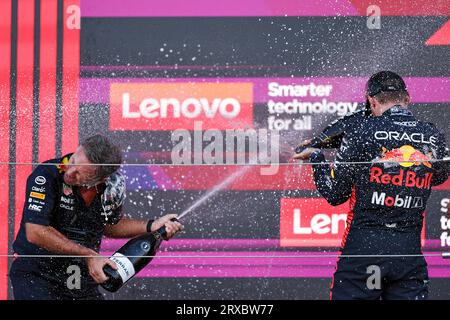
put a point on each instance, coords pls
(335, 186)
(127, 228)
(52, 240)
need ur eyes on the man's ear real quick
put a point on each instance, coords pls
(373, 105)
(371, 101)
(408, 99)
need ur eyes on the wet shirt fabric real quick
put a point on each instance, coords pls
(386, 166)
(390, 188)
(51, 202)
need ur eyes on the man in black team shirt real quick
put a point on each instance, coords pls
(388, 195)
(68, 208)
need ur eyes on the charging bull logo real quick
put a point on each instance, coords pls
(63, 166)
(405, 156)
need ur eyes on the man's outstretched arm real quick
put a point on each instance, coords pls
(335, 182)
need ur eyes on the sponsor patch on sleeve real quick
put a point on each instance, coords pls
(35, 207)
(40, 180)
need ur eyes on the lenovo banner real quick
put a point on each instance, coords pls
(171, 106)
(311, 222)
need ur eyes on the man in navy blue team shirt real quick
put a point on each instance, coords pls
(69, 207)
(386, 166)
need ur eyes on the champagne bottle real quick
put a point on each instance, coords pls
(331, 136)
(131, 258)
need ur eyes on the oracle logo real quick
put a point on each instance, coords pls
(404, 136)
(311, 222)
(171, 106)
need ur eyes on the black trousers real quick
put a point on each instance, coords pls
(32, 285)
(399, 278)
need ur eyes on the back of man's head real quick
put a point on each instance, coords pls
(99, 149)
(387, 87)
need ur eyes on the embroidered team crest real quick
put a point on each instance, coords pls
(67, 190)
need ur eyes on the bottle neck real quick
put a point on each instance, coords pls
(160, 233)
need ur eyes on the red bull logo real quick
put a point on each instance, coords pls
(406, 156)
(405, 178)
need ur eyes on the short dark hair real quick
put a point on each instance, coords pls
(99, 149)
(392, 96)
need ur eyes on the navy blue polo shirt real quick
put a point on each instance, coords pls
(49, 201)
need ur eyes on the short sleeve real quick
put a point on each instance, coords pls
(40, 196)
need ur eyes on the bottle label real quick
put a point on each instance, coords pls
(124, 266)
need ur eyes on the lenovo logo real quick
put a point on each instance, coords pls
(311, 222)
(319, 224)
(189, 108)
(171, 106)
